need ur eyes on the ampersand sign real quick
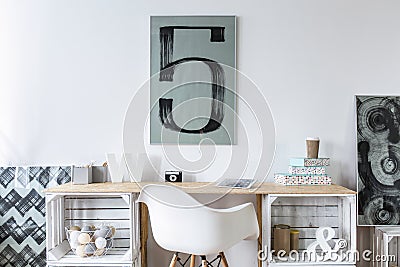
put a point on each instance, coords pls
(323, 235)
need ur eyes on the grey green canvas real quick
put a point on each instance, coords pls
(192, 86)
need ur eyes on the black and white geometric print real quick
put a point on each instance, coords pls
(7, 175)
(26, 257)
(22, 213)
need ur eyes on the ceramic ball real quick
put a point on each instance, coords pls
(99, 252)
(75, 228)
(84, 238)
(107, 230)
(100, 242)
(101, 233)
(86, 228)
(90, 248)
(73, 238)
(109, 243)
(80, 251)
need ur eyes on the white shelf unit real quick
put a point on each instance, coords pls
(386, 246)
(306, 213)
(67, 209)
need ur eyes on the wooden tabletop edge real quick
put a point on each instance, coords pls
(203, 187)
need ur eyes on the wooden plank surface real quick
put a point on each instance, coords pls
(203, 188)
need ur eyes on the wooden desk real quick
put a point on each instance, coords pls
(259, 190)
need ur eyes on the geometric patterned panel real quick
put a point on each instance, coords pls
(22, 213)
(26, 257)
(21, 232)
(7, 175)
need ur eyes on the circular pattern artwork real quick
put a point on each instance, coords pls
(378, 138)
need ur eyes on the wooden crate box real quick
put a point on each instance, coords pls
(117, 209)
(307, 213)
(386, 246)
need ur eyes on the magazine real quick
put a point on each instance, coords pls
(237, 183)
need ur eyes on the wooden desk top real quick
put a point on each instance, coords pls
(205, 188)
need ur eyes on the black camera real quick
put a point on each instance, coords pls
(173, 176)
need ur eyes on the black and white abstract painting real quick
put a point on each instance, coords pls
(378, 147)
(192, 89)
(22, 213)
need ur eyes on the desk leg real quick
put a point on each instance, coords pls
(144, 231)
(259, 219)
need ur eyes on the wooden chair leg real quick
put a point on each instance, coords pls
(204, 261)
(192, 260)
(174, 260)
(223, 259)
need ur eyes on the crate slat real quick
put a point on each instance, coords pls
(114, 222)
(299, 222)
(309, 232)
(393, 250)
(98, 214)
(303, 242)
(306, 201)
(308, 211)
(101, 202)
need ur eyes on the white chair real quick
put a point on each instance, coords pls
(182, 224)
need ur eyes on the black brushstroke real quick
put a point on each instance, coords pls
(217, 103)
(167, 33)
(167, 70)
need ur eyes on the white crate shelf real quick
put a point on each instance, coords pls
(307, 213)
(117, 209)
(386, 246)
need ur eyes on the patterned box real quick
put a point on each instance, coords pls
(309, 162)
(307, 170)
(297, 179)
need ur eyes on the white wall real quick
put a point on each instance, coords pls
(68, 70)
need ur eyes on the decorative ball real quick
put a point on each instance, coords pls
(90, 249)
(99, 252)
(101, 233)
(86, 228)
(100, 242)
(109, 243)
(75, 228)
(73, 238)
(107, 230)
(84, 238)
(80, 251)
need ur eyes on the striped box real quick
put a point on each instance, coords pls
(308, 162)
(307, 170)
(298, 179)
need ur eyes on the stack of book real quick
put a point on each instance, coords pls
(305, 171)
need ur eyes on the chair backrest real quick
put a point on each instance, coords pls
(167, 195)
(180, 223)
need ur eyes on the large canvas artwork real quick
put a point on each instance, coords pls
(192, 89)
(378, 145)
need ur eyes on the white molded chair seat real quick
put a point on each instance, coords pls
(182, 224)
